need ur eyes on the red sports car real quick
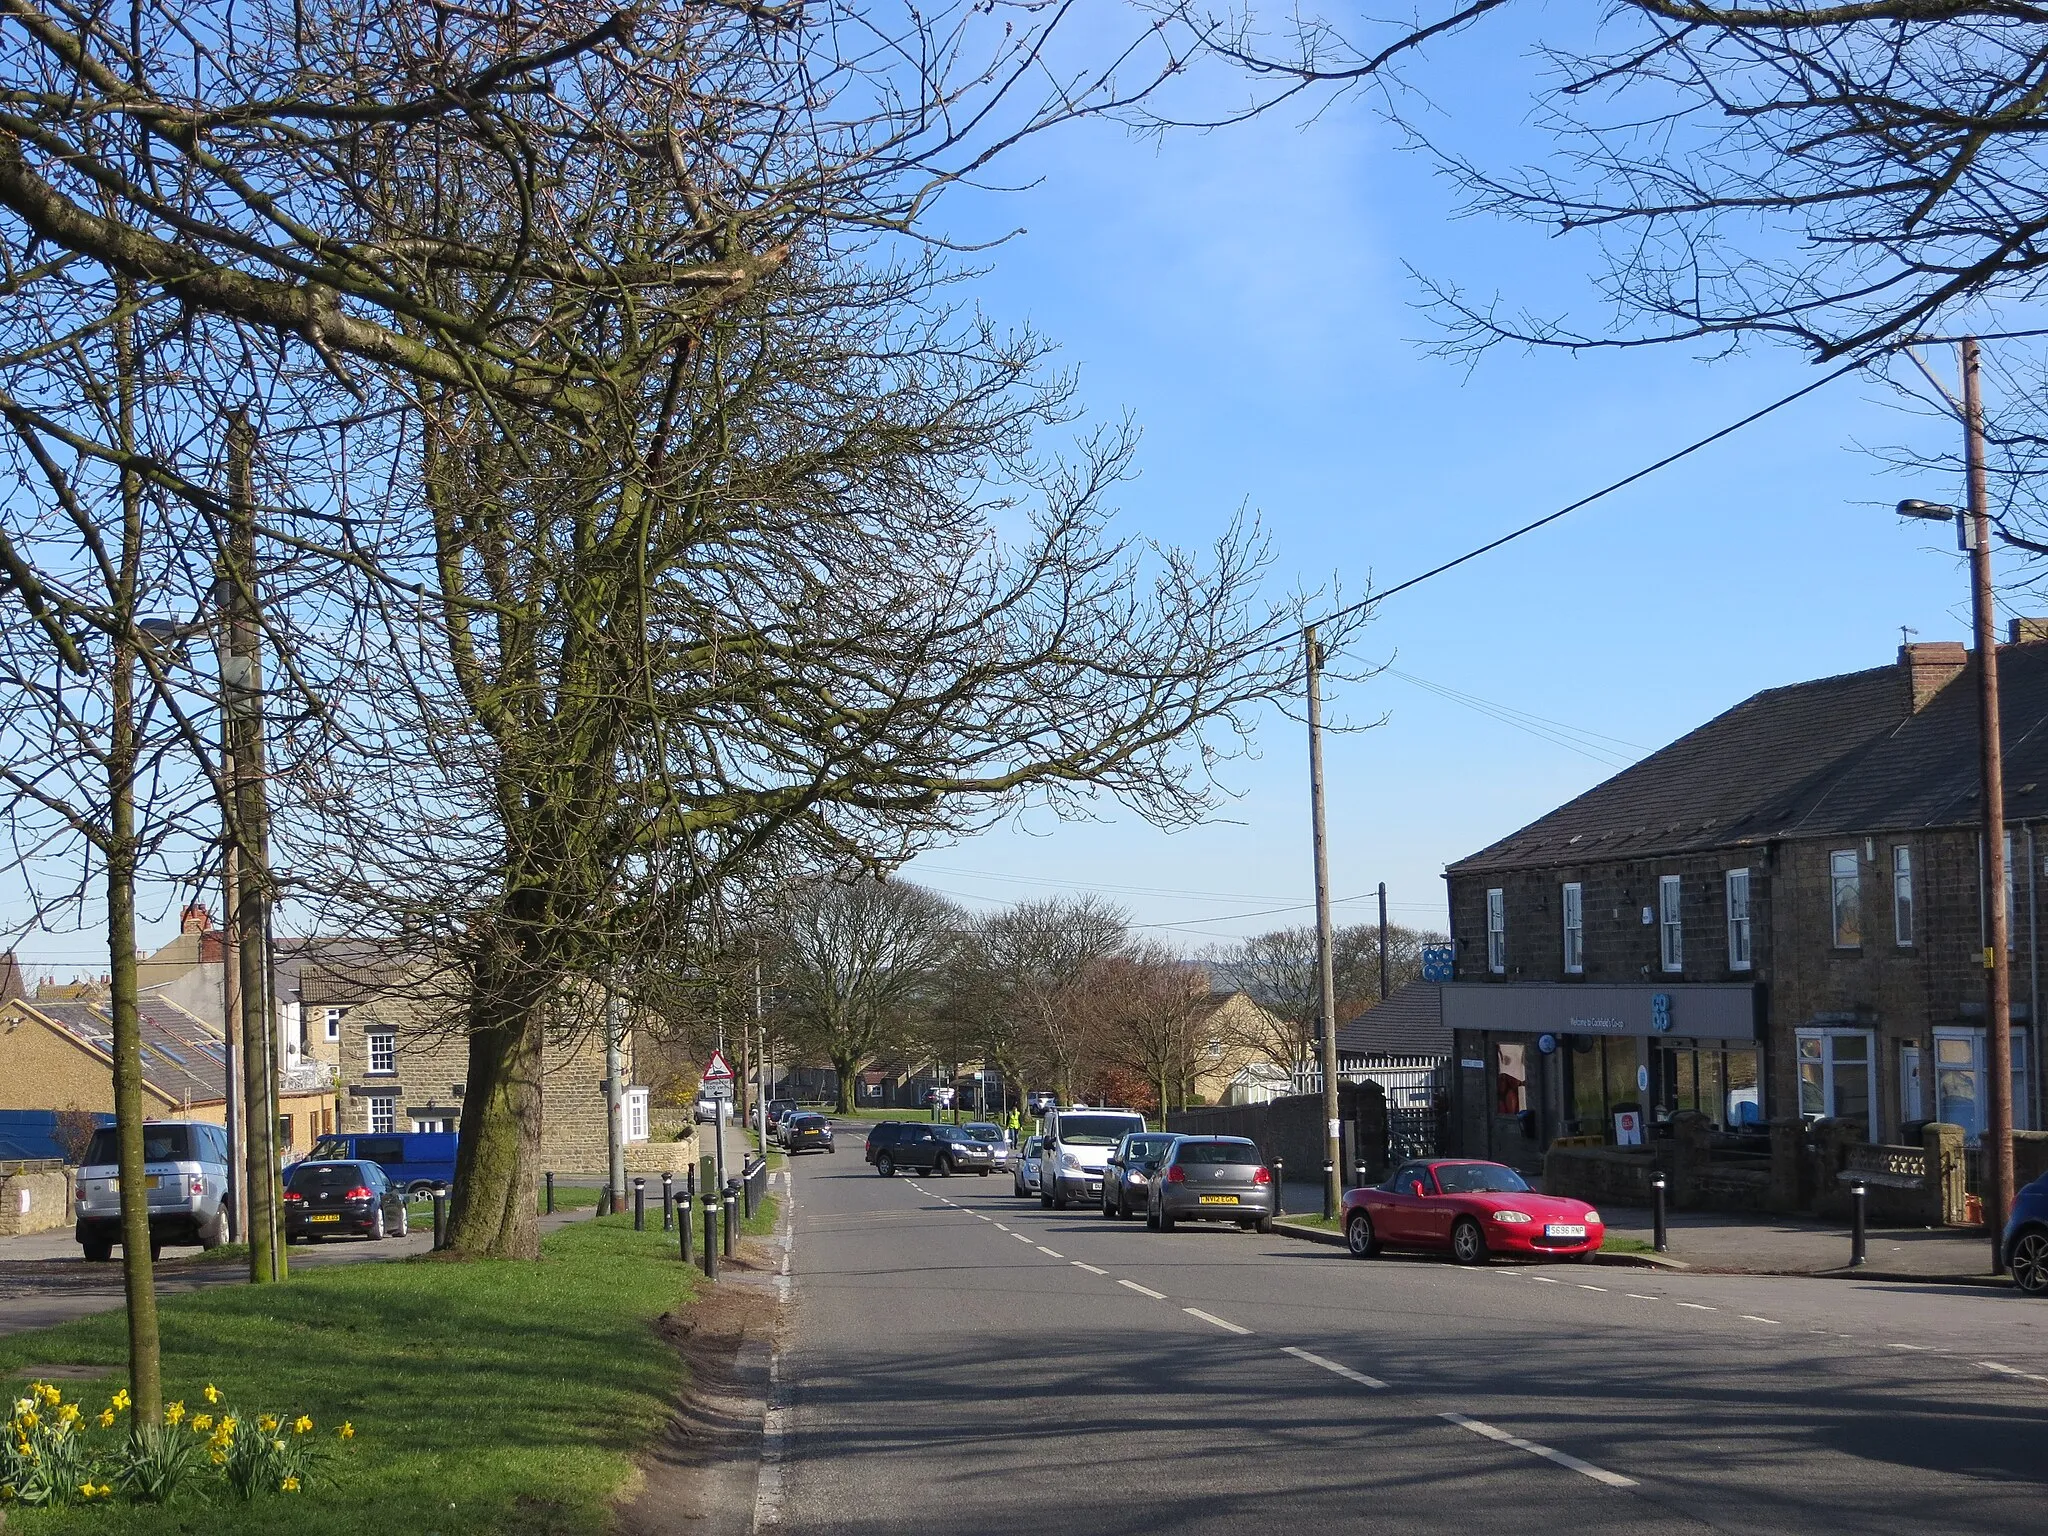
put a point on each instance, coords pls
(1474, 1209)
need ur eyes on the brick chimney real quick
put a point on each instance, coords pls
(2026, 631)
(196, 920)
(1929, 668)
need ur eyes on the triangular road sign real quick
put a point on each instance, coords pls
(720, 1070)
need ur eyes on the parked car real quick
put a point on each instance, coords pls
(940, 1149)
(1471, 1209)
(2026, 1239)
(1211, 1178)
(807, 1132)
(334, 1199)
(1077, 1146)
(777, 1109)
(1024, 1171)
(939, 1098)
(186, 1165)
(418, 1162)
(1127, 1176)
(713, 1111)
(1040, 1101)
(997, 1138)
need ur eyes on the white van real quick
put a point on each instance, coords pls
(1078, 1142)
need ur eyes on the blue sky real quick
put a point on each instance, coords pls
(1243, 294)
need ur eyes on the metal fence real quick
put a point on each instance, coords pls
(1417, 1090)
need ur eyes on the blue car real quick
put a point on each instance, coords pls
(2026, 1239)
(416, 1162)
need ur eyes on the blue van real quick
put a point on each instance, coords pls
(418, 1162)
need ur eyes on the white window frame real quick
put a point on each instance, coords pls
(383, 1114)
(1978, 1070)
(1845, 873)
(331, 1022)
(636, 1114)
(1573, 903)
(1902, 895)
(1671, 922)
(1826, 1040)
(1497, 931)
(1735, 886)
(385, 1040)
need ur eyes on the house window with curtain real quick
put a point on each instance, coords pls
(1574, 929)
(1845, 893)
(1670, 923)
(1902, 895)
(1497, 931)
(1738, 919)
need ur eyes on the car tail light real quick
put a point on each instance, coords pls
(360, 1192)
(292, 1195)
(1262, 1176)
(1175, 1176)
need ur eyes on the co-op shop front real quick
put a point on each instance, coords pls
(1538, 1060)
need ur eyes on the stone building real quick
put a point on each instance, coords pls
(1780, 914)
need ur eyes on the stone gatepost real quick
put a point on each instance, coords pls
(1788, 1153)
(1946, 1186)
(1692, 1146)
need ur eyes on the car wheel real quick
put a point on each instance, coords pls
(97, 1252)
(885, 1166)
(1165, 1219)
(1108, 1211)
(1359, 1236)
(943, 1167)
(215, 1232)
(982, 1171)
(377, 1233)
(2029, 1263)
(1151, 1219)
(404, 1223)
(1044, 1197)
(1468, 1243)
(1265, 1225)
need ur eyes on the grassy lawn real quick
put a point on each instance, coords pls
(1613, 1244)
(486, 1397)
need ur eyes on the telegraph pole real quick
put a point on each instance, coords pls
(1998, 1166)
(1383, 941)
(1326, 973)
(615, 1101)
(231, 1021)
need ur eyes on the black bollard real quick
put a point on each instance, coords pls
(1856, 1195)
(710, 1237)
(732, 1225)
(1361, 1176)
(1328, 1169)
(440, 1219)
(551, 1193)
(1279, 1186)
(639, 1205)
(1657, 1207)
(683, 1225)
(668, 1202)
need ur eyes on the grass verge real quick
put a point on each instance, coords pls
(486, 1397)
(1319, 1222)
(1613, 1244)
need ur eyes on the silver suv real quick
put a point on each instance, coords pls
(1078, 1142)
(186, 1162)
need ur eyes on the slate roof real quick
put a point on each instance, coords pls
(1839, 755)
(1409, 1022)
(181, 1058)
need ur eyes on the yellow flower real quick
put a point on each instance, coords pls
(228, 1426)
(85, 1489)
(121, 1401)
(175, 1414)
(301, 1424)
(106, 1418)
(67, 1413)
(289, 1485)
(29, 1420)
(347, 1430)
(47, 1393)
(201, 1423)
(266, 1422)
(212, 1393)
(220, 1458)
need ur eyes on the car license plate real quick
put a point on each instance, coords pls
(152, 1181)
(1565, 1229)
(323, 1218)
(1219, 1199)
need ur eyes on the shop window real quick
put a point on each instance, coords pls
(1737, 885)
(1511, 1078)
(1670, 923)
(1497, 931)
(1845, 891)
(1574, 929)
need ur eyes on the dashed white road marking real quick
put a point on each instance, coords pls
(1142, 1290)
(1639, 1296)
(1698, 1306)
(1210, 1317)
(2007, 1370)
(979, 1217)
(1334, 1368)
(1909, 1346)
(1544, 1278)
(1000, 1227)
(1089, 1267)
(1751, 1317)
(1049, 1253)
(1585, 1287)
(1584, 1468)
(1020, 1237)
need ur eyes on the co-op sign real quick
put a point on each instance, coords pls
(1696, 1010)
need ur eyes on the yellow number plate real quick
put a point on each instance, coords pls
(323, 1218)
(1219, 1199)
(152, 1180)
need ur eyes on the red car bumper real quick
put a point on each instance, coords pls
(1528, 1240)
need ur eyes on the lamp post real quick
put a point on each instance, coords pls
(1973, 528)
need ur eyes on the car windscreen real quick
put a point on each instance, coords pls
(981, 1131)
(1031, 1147)
(329, 1146)
(1479, 1179)
(160, 1144)
(1234, 1153)
(308, 1177)
(961, 1133)
(1148, 1146)
(1095, 1130)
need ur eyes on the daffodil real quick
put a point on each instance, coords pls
(220, 1458)
(212, 1393)
(289, 1485)
(266, 1422)
(47, 1393)
(301, 1424)
(175, 1414)
(121, 1401)
(347, 1430)
(228, 1426)
(85, 1489)
(67, 1413)
(30, 1419)
(106, 1418)
(201, 1423)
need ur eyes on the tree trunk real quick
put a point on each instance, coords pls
(497, 1159)
(845, 1068)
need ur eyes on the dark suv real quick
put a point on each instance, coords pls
(940, 1149)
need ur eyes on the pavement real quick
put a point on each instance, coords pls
(952, 1355)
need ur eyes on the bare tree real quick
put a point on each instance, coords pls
(1278, 971)
(1033, 958)
(1150, 1009)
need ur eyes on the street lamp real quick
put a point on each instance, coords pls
(1973, 534)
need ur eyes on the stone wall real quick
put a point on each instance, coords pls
(1600, 1175)
(34, 1199)
(1291, 1128)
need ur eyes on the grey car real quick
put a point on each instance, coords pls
(1024, 1171)
(1127, 1177)
(997, 1138)
(186, 1164)
(1212, 1178)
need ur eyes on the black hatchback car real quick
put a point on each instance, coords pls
(327, 1199)
(940, 1149)
(807, 1132)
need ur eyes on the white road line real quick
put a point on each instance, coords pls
(1585, 1287)
(1639, 1296)
(2007, 1370)
(1089, 1267)
(1049, 1253)
(979, 1217)
(1333, 1367)
(1585, 1468)
(1909, 1346)
(1751, 1317)
(1000, 1227)
(1142, 1290)
(1210, 1317)
(1020, 1237)
(1698, 1306)
(1544, 1278)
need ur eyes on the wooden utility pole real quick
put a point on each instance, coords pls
(1383, 941)
(231, 1019)
(248, 822)
(1998, 1166)
(1326, 972)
